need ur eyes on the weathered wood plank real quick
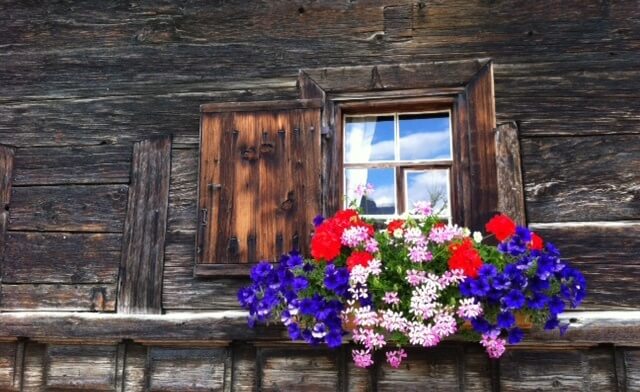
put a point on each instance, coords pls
(198, 369)
(437, 368)
(565, 182)
(85, 297)
(243, 376)
(475, 369)
(181, 290)
(61, 258)
(33, 377)
(567, 370)
(93, 208)
(6, 181)
(81, 367)
(281, 369)
(140, 279)
(9, 355)
(509, 166)
(135, 367)
(73, 165)
(183, 190)
(631, 358)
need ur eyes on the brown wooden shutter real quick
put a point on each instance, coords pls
(259, 182)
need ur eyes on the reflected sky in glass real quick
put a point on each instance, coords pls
(383, 200)
(369, 139)
(425, 136)
(429, 185)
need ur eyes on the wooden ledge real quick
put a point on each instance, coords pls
(587, 328)
(253, 106)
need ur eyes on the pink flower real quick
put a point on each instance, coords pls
(443, 234)
(393, 321)
(494, 346)
(413, 235)
(469, 308)
(391, 298)
(362, 358)
(415, 277)
(365, 317)
(419, 254)
(422, 208)
(354, 236)
(363, 190)
(423, 335)
(371, 245)
(445, 324)
(394, 358)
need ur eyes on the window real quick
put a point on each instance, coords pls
(405, 156)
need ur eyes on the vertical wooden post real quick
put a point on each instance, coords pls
(7, 155)
(510, 187)
(140, 278)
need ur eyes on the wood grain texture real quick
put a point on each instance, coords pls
(90, 208)
(61, 258)
(631, 370)
(135, 367)
(6, 181)
(436, 367)
(33, 376)
(285, 370)
(244, 368)
(61, 297)
(592, 178)
(509, 173)
(570, 370)
(81, 367)
(198, 369)
(247, 213)
(141, 266)
(73, 165)
(10, 369)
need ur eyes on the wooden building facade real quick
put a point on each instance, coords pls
(103, 286)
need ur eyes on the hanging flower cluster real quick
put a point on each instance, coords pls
(414, 282)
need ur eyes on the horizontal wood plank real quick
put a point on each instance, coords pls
(10, 369)
(287, 370)
(61, 258)
(61, 297)
(582, 179)
(199, 369)
(73, 165)
(535, 370)
(93, 208)
(85, 367)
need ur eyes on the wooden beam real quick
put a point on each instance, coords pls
(140, 280)
(254, 106)
(510, 186)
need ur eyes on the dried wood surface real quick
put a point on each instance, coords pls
(143, 242)
(509, 171)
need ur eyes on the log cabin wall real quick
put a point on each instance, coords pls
(95, 92)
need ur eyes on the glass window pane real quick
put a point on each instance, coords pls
(369, 139)
(425, 136)
(429, 185)
(383, 199)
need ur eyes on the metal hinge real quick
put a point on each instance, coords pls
(204, 215)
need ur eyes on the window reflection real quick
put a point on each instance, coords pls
(383, 199)
(425, 136)
(369, 138)
(431, 185)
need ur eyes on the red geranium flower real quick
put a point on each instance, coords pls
(502, 226)
(325, 245)
(395, 225)
(465, 257)
(358, 258)
(536, 242)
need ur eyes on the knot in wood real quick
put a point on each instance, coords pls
(267, 148)
(287, 205)
(250, 154)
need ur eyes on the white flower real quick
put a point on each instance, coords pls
(477, 236)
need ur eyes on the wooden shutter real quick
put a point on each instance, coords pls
(259, 182)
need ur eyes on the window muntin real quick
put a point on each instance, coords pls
(398, 153)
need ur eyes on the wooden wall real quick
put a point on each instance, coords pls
(102, 366)
(83, 81)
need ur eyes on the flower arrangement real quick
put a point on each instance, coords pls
(415, 282)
